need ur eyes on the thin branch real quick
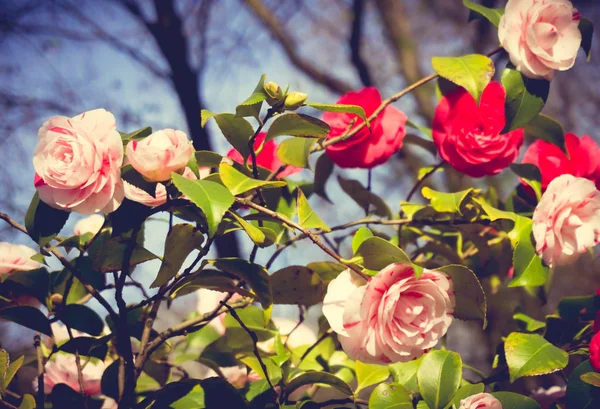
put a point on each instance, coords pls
(40, 364)
(340, 401)
(420, 182)
(316, 344)
(275, 28)
(357, 60)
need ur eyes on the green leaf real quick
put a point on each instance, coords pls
(525, 98)
(369, 374)
(361, 235)
(43, 222)
(193, 399)
(28, 402)
(510, 400)
(521, 223)
(256, 234)
(472, 72)
(297, 125)
(378, 253)
(439, 377)
(273, 370)
(363, 197)
(390, 396)
(180, 242)
(323, 170)
(81, 318)
(405, 374)
(35, 281)
(256, 276)
(238, 183)
(591, 378)
(210, 197)
(307, 217)
(253, 317)
(447, 202)
(479, 11)
(529, 324)
(327, 270)
(424, 130)
(581, 395)
(323, 378)
(529, 270)
(87, 346)
(531, 355)
(208, 159)
(27, 316)
(107, 253)
(11, 370)
(297, 285)
(4, 361)
(586, 27)
(295, 151)
(530, 174)
(465, 391)
(469, 295)
(251, 106)
(236, 130)
(548, 129)
(343, 108)
(133, 177)
(137, 135)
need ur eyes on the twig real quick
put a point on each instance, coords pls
(300, 321)
(5, 404)
(254, 338)
(313, 346)
(420, 181)
(340, 401)
(40, 362)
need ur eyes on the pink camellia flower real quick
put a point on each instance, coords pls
(368, 148)
(160, 154)
(91, 224)
(480, 401)
(395, 317)
(267, 158)
(62, 369)
(595, 352)
(16, 257)
(139, 195)
(78, 163)
(541, 36)
(566, 222)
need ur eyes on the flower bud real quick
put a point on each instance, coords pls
(294, 100)
(56, 299)
(273, 92)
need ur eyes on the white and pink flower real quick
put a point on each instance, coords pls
(91, 224)
(540, 36)
(158, 155)
(394, 317)
(480, 401)
(566, 221)
(16, 257)
(78, 163)
(62, 369)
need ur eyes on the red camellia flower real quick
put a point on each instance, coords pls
(583, 160)
(366, 149)
(595, 352)
(267, 158)
(468, 136)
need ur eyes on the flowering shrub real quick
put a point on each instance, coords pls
(387, 307)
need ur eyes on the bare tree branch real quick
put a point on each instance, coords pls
(357, 23)
(270, 22)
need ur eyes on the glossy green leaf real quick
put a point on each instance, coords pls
(465, 391)
(297, 285)
(180, 242)
(136, 135)
(81, 318)
(529, 269)
(439, 377)
(363, 197)
(4, 363)
(27, 316)
(520, 222)
(210, 197)
(327, 270)
(294, 124)
(252, 105)
(87, 346)
(511, 400)
(591, 378)
(208, 159)
(378, 253)
(193, 399)
(273, 370)
(586, 27)
(472, 72)
(479, 11)
(531, 355)
(369, 374)
(43, 222)
(548, 129)
(238, 183)
(28, 402)
(107, 253)
(527, 323)
(323, 378)
(307, 217)
(133, 177)
(525, 98)
(236, 130)
(257, 235)
(323, 170)
(390, 396)
(405, 373)
(361, 235)
(295, 151)
(530, 174)
(36, 281)
(255, 275)
(343, 108)
(11, 370)
(469, 295)
(581, 395)
(447, 202)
